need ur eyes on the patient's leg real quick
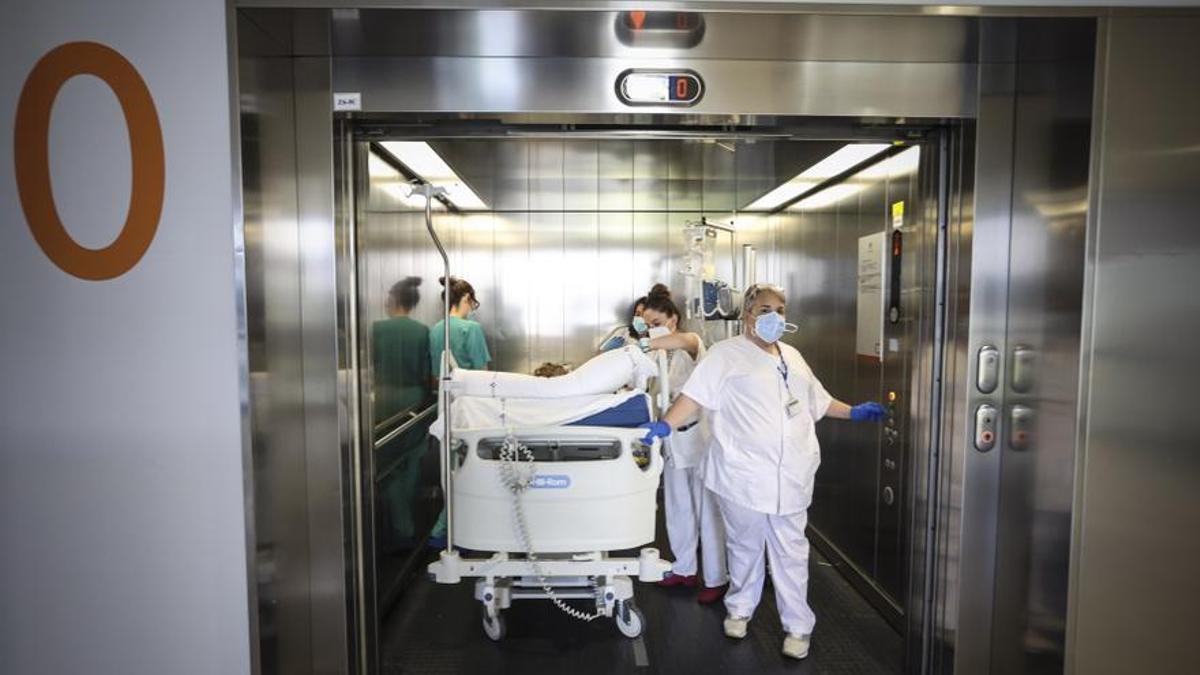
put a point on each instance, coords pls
(602, 374)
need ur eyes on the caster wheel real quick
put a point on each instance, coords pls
(629, 618)
(494, 627)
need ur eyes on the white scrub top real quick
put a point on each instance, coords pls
(759, 457)
(686, 447)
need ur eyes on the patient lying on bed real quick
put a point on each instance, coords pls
(602, 374)
(606, 390)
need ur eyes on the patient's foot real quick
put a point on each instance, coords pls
(672, 580)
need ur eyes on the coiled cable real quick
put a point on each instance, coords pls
(517, 472)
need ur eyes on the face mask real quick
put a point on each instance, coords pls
(639, 325)
(770, 327)
(659, 331)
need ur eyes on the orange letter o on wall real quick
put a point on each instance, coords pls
(32, 153)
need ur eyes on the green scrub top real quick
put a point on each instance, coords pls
(399, 351)
(467, 344)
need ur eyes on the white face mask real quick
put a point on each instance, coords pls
(659, 331)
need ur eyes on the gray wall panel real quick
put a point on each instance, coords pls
(1135, 552)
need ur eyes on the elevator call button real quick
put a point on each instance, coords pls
(985, 427)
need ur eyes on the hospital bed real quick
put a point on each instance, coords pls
(549, 503)
(546, 495)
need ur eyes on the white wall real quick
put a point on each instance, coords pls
(122, 524)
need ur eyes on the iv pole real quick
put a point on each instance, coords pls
(429, 192)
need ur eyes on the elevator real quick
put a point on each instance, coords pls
(901, 176)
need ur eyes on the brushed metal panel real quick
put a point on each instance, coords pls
(1045, 292)
(614, 253)
(975, 525)
(614, 182)
(328, 443)
(585, 85)
(938, 504)
(581, 176)
(512, 176)
(547, 169)
(719, 177)
(650, 259)
(685, 175)
(516, 280)
(1135, 496)
(651, 173)
(546, 281)
(273, 310)
(582, 278)
(504, 32)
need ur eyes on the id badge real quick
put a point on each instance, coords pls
(793, 408)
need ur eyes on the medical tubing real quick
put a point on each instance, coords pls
(517, 483)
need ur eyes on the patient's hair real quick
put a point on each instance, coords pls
(550, 370)
(404, 294)
(659, 300)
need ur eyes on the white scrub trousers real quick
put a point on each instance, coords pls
(693, 513)
(750, 534)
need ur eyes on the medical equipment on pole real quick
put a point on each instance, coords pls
(708, 297)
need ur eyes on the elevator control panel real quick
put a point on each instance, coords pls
(891, 435)
(985, 427)
(988, 369)
(659, 87)
(1020, 427)
(1022, 369)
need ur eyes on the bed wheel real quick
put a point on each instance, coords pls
(494, 627)
(629, 618)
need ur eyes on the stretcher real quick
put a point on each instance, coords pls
(548, 505)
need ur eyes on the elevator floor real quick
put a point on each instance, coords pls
(436, 630)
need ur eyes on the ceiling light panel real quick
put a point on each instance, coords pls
(899, 165)
(844, 159)
(423, 161)
(841, 160)
(782, 194)
(827, 197)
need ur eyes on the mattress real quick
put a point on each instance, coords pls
(622, 409)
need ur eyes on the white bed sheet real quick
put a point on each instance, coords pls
(472, 412)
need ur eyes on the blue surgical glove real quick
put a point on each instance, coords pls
(655, 430)
(867, 412)
(615, 342)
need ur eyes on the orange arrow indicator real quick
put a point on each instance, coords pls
(638, 18)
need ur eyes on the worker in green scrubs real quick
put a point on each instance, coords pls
(399, 355)
(467, 342)
(468, 346)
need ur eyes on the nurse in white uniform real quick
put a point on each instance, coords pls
(763, 402)
(693, 516)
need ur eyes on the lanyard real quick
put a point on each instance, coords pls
(783, 369)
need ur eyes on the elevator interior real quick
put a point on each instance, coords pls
(564, 230)
(577, 203)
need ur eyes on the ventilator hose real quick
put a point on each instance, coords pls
(517, 483)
